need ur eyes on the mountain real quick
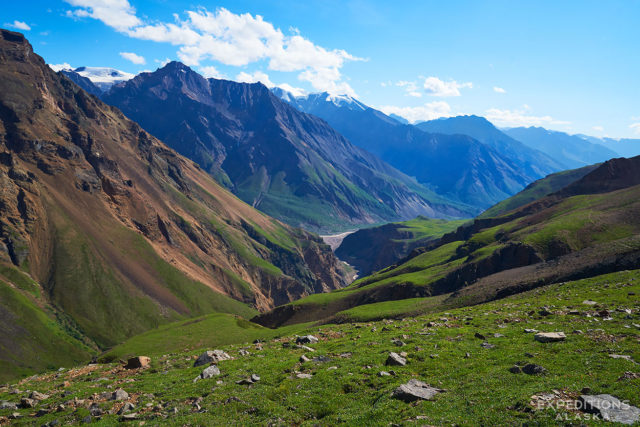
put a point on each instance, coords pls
(588, 228)
(456, 166)
(84, 82)
(105, 232)
(372, 249)
(537, 190)
(572, 151)
(288, 164)
(533, 163)
(625, 147)
(101, 78)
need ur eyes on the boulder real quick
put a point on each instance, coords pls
(394, 359)
(138, 362)
(127, 407)
(306, 339)
(415, 390)
(549, 336)
(36, 395)
(210, 372)
(610, 408)
(8, 405)
(211, 356)
(119, 394)
(533, 369)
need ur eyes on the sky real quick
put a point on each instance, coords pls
(566, 65)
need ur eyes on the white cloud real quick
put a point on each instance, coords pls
(499, 89)
(436, 87)
(598, 128)
(211, 72)
(163, 62)
(257, 76)
(635, 127)
(429, 111)
(20, 25)
(136, 59)
(228, 38)
(410, 87)
(517, 118)
(58, 67)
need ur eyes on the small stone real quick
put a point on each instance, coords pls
(138, 362)
(243, 352)
(306, 339)
(487, 345)
(8, 405)
(545, 312)
(398, 343)
(119, 394)
(546, 337)
(26, 402)
(515, 369)
(415, 390)
(621, 356)
(394, 359)
(95, 410)
(479, 336)
(127, 407)
(585, 390)
(255, 378)
(467, 355)
(530, 331)
(304, 359)
(589, 302)
(498, 335)
(384, 374)
(211, 356)
(304, 376)
(210, 372)
(35, 395)
(610, 408)
(533, 369)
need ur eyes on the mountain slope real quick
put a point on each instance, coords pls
(588, 228)
(537, 190)
(375, 248)
(288, 164)
(625, 147)
(116, 231)
(456, 166)
(84, 82)
(533, 163)
(572, 151)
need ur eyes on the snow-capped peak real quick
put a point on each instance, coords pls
(103, 77)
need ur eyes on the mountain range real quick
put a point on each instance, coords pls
(288, 164)
(451, 160)
(106, 232)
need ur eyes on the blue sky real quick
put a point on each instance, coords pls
(566, 65)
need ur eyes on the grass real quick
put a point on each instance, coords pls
(422, 228)
(347, 390)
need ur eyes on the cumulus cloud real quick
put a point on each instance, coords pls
(263, 78)
(499, 89)
(411, 88)
(436, 87)
(136, 59)
(228, 38)
(58, 67)
(211, 72)
(430, 111)
(517, 118)
(19, 25)
(635, 127)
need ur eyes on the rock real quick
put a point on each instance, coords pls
(574, 312)
(119, 394)
(545, 312)
(479, 336)
(255, 378)
(394, 359)
(487, 345)
(345, 355)
(211, 356)
(415, 390)
(8, 405)
(589, 302)
(621, 356)
(130, 417)
(384, 374)
(549, 336)
(95, 410)
(515, 369)
(243, 352)
(610, 408)
(128, 407)
(25, 402)
(498, 335)
(398, 343)
(585, 390)
(321, 359)
(306, 339)
(208, 372)
(304, 376)
(304, 359)
(138, 362)
(530, 331)
(467, 355)
(38, 396)
(248, 381)
(533, 369)
(42, 412)
(305, 348)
